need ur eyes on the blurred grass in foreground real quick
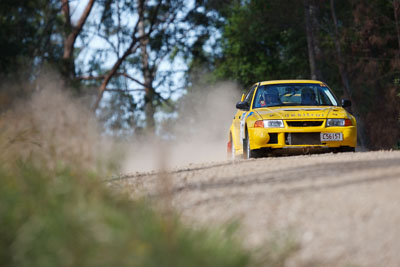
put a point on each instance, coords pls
(70, 219)
(55, 211)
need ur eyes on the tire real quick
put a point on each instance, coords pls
(247, 152)
(347, 149)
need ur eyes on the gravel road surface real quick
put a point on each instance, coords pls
(343, 209)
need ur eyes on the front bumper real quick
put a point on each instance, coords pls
(278, 138)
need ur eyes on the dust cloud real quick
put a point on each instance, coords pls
(198, 135)
(50, 128)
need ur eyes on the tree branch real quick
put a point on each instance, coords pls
(131, 78)
(114, 69)
(101, 77)
(153, 19)
(83, 18)
(66, 12)
(123, 90)
(70, 40)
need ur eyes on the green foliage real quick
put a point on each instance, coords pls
(67, 218)
(263, 40)
(27, 40)
(258, 45)
(374, 64)
(26, 28)
(241, 41)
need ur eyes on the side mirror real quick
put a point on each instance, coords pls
(346, 103)
(242, 105)
(242, 99)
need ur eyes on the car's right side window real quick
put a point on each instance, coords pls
(249, 95)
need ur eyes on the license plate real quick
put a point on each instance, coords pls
(331, 137)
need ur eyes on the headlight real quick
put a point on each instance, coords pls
(338, 122)
(273, 124)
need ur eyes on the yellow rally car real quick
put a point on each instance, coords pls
(291, 117)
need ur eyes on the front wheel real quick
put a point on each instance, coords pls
(247, 152)
(347, 149)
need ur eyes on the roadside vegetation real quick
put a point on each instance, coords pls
(55, 212)
(66, 217)
(56, 209)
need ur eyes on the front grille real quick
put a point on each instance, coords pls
(304, 123)
(303, 138)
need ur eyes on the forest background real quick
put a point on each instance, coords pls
(136, 61)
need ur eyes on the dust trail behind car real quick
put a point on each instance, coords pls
(199, 134)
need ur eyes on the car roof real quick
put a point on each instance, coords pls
(290, 81)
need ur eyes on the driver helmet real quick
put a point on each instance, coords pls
(271, 96)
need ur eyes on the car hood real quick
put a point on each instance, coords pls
(301, 112)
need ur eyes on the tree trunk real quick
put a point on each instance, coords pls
(344, 77)
(396, 9)
(341, 63)
(71, 33)
(147, 74)
(309, 13)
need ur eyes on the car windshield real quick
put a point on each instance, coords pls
(296, 94)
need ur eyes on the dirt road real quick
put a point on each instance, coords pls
(343, 209)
